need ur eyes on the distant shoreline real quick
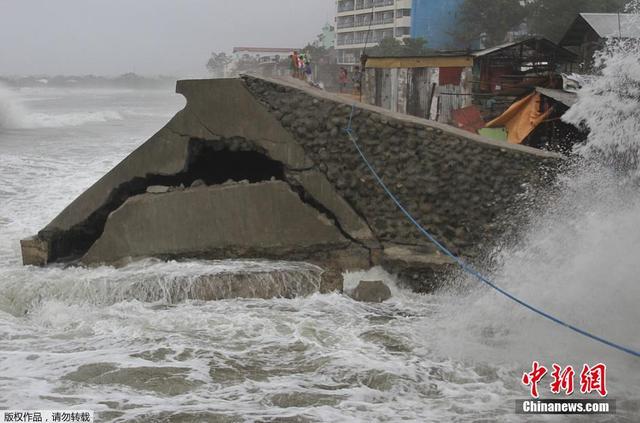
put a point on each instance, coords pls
(129, 80)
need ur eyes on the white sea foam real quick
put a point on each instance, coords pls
(13, 114)
(42, 120)
(577, 259)
(455, 356)
(609, 104)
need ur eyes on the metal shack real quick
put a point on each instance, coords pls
(436, 86)
(589, 31)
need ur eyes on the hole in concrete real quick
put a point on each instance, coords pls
(217, 166)
(214, 163)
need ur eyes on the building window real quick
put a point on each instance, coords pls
(400, 13)
(348, 57)
(363, 19)
(345, 22)
(383, 18)
(360, 37)
(345, 6)
(402, 31)
(345, 39)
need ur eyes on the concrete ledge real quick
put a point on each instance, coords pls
(418, 268)
(35, 252)
(236, 220)
(267, 284)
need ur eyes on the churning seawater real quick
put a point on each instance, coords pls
(72, 338)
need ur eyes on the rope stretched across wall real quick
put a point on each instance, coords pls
(468, 268)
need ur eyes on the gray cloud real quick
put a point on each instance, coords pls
(110, 37)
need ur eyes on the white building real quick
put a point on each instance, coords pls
(361, 23)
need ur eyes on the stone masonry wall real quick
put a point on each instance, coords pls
(457, 187)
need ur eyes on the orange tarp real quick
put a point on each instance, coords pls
(521, 118)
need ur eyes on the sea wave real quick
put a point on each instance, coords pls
(15, 114)
(43, 120)
(12, 112)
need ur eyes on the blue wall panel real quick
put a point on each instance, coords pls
(434, 20)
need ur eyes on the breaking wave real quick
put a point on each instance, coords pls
(14, 114)
(42, 120)
(153, 281)
(577, 258)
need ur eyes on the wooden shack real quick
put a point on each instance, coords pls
(434, 86)
(589, 31)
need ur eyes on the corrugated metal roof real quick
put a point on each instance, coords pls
(607, 25)
(494, 49)
(531, 42)
(564, 97)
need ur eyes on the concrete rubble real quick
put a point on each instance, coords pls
(371, 292)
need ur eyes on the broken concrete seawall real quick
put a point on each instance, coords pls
(259, 168)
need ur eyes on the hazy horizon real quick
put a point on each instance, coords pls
(147, 37)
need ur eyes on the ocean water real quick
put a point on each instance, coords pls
(81, 338)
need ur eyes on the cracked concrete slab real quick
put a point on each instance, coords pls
(253, 220)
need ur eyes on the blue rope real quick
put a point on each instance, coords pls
(468, 268)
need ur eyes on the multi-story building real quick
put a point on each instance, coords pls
(364, 23)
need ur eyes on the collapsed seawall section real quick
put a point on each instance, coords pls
(256, 168)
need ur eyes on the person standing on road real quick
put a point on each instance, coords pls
(356, 79)
(343, 78)
(295, 69)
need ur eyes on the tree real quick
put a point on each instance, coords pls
(551, 18)
(491, 20)
(246, 64)
(488, 20)
(415, 46)
(319, 54)
(218, 63)
(393, 47)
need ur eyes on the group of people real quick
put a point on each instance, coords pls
(356, 80)
(301, 66)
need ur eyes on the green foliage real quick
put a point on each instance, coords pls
(218, 63)
(319, 54)
(395, 48)
(386, 47)
(415, 46)
(246, 64)
(552, 18)
(489, 20)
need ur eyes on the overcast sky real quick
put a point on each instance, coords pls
(172, 37)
